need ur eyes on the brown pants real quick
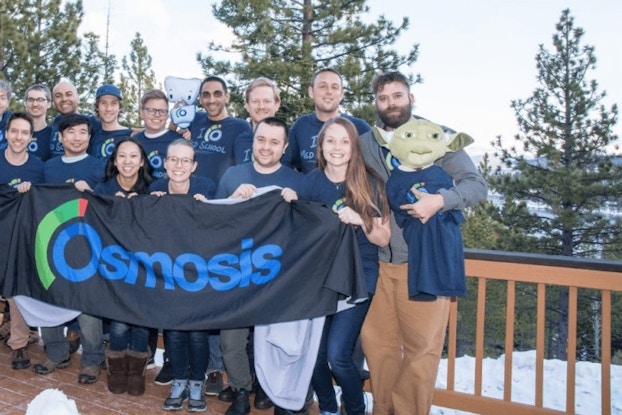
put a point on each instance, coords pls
(19, 328)
(403, 341)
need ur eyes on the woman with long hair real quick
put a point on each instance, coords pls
(356, 194)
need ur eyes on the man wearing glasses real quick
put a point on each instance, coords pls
(38, 100)
(156, 136)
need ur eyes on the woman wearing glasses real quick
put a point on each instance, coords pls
(156, 136)
(187, 351)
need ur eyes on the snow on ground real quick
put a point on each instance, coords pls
(587, 392)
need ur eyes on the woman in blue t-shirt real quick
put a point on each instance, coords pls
(355, 192)
(127, 174)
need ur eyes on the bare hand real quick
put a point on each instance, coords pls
(349, 216)
(289, 194)
(81, 186)
(23, 187)
(245, 191)
(426, 206)
(200, 197)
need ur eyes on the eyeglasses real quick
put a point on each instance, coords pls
(39, 100)
(186, 162)
(156, 111)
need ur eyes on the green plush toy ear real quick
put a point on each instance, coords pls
(381, 136)
(459, 141)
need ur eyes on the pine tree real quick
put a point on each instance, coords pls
(136, 78)
(563, 163)
(287, 41)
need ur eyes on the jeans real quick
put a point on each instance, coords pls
(341, 331)
(216, 363)
(188, 353)
(124, 336)
(57, 346)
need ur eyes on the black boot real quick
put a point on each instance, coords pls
(241, 405)
(262, 401)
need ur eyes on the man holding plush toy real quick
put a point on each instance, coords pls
(403, 333)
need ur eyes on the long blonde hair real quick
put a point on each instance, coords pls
(361, 195)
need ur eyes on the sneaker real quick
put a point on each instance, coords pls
(179, 394)
(33, 336)
(151, 364)
(89, 374)
(20, 359)
(196, 402)
(214, 385)
(48, 366)
(165, 377)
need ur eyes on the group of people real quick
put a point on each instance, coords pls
(325, 157)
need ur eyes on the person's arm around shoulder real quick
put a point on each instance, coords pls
(470, 187)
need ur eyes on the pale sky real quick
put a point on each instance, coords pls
(475, 57)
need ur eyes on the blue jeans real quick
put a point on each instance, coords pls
(124, 336)
(216, 363)
(57, 346)
(336, 349)
(188, 353)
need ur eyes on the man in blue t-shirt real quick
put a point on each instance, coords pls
(38, 101)
(108, 108)
(66, 101)
(213, 133)
(326, 91)
(242, 180)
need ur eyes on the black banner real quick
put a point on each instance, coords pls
(174, 263)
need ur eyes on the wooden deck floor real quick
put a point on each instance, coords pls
(19, 387)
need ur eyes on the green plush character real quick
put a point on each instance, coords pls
(418, 143)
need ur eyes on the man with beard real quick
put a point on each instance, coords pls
(326, 91)
(403, 338)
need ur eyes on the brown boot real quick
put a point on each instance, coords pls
(136, 364)
(117, 371)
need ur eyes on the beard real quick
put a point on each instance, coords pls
(393, 117)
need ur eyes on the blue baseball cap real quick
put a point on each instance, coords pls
(108, 89)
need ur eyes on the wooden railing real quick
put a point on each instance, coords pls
(541, 270)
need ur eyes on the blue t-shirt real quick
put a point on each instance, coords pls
(31, 171)
(111, 187)
(102, 142)
(89, 169)
(246, 173)
(56, 147)
(198, 184)
(213, 143)
(243, 147)
(317, 188)
(435, 249)
(3, 121)
(303, 135)
(40, 143)
(156, 150)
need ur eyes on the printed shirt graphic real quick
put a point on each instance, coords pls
(40, 143)
(156, 150)
(214, 144)
(31, 171)
(102, 143)
(89, 252)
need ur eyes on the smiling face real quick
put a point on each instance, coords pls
(214, 99)
(154, 113)
(18, 135)
(128, 160)
(179, 163)
(326, 93)
(108, 108)
(261, 103)
(75, 140)
(394, 104)
(66, 98)
(268, 147)
(336, 146)
(37, 103)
